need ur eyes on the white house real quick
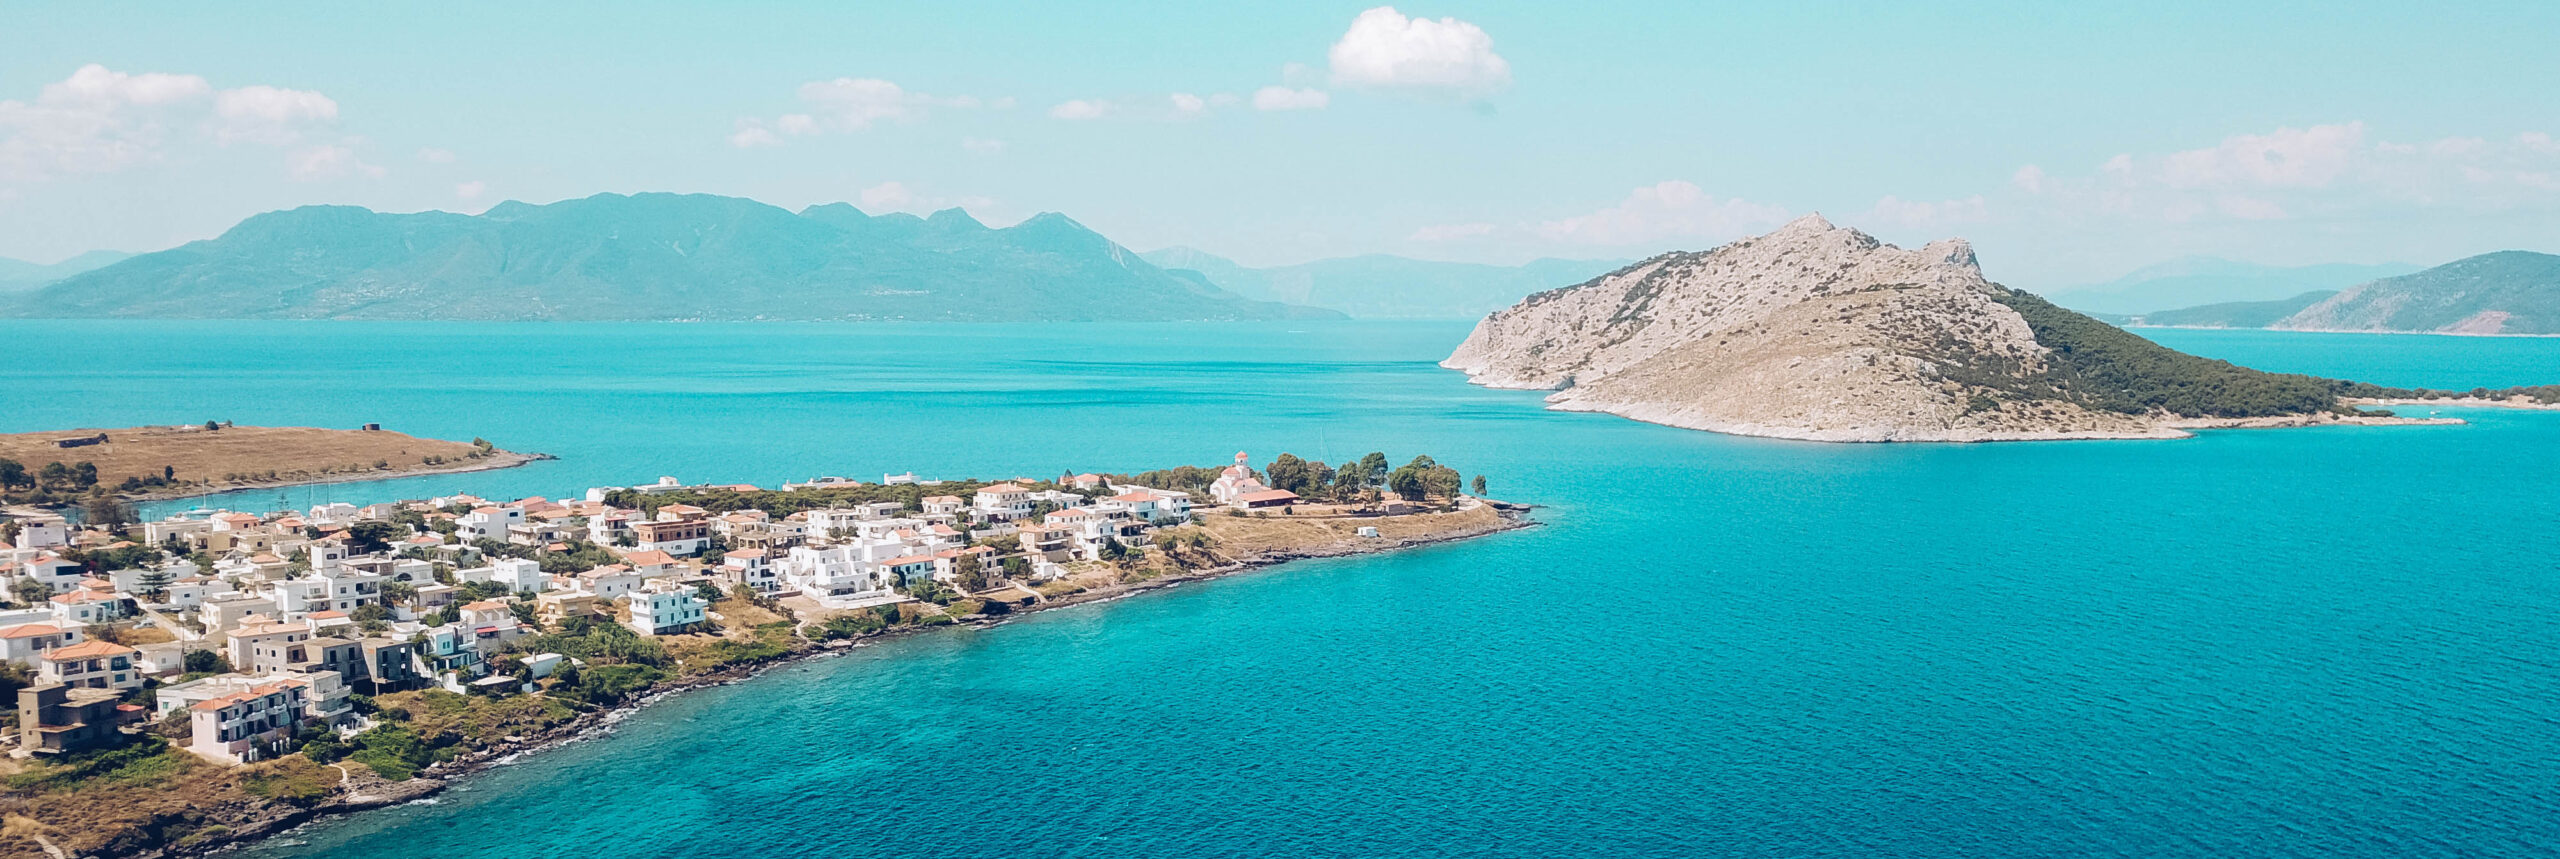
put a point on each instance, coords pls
(1002, 502)
(663, 607)
(94, 664)
(519, 575)
(43, 531)
(24, 642)
(490, 523)
(753, 568)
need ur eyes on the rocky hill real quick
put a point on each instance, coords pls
(1820, 332)
(2508, 292)
(647, 257)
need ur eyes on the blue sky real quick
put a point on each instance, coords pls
(2070, 144)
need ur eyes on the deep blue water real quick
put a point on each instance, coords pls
(2331, 642)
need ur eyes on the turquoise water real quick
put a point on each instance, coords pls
(2333, 642)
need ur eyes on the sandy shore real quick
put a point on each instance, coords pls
(2154, 430)
(1491, 517)
(2460, 402)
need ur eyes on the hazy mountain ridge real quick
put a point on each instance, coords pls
(2195, 281)
(2506, 292)
(647, 257)
(1823, 333)
(1379, 286)
(20, 275)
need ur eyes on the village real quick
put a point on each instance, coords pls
(241, 637)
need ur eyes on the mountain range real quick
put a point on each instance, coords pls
(2507, 292)
(1388, 287)
(2209, 280)
(648, 257)
(21, 276)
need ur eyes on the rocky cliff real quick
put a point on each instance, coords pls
(1821, 332)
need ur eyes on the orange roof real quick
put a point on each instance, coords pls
(30, 630)
(332, 613)
(90, 649)
(943, 499)
(484, 605)
(649, 557)
(1003, 487)
(910, 559)
(744, 553)
(1134, 497)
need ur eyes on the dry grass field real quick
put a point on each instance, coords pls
(237, 455)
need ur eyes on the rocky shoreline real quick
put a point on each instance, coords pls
(2137, 430)
(279, 819)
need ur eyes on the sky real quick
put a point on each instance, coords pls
(2070, 143)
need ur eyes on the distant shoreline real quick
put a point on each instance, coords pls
(2336, 331)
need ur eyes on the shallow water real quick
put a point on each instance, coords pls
(2303, 642)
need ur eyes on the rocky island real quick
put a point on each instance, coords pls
(1823, 333)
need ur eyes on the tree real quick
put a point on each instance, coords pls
(1288, 472)
(1479, 487)
(106, 511)
(54, 474)
(368, 537)
(1423, 478)
(155, 581)
(969, 574)
(13, 473)
(84, 475)
(168, 474)
(1373, 468)
(31, 592)
(206, 662)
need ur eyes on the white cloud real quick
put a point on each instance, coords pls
(982, 145)
(1078, 109)
(845, 105)
(1451, 232)
(1284, 98)
(470, 190)
(2029, 179)
(100, 120)
(1386, 50)
(433, 155)
(751, 133)
(1665, 211)
(2538, 142)
(273, 104)
(329, 162)
(1184, 102)
(854, 104)
(1919, 214)
(2285, 158)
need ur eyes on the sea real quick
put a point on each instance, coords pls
(2262, 643)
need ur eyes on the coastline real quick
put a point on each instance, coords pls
(2160, 429)
(496, 460)
(371, 792)
(2334, 331)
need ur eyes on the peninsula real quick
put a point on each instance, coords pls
(159, 462)
(198, 681)
(1822, 333)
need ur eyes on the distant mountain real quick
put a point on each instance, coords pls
(21, 276)
(2232, 314)
(2508, 292)
(647, 257)
(2207, 280)
(1389, 287)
